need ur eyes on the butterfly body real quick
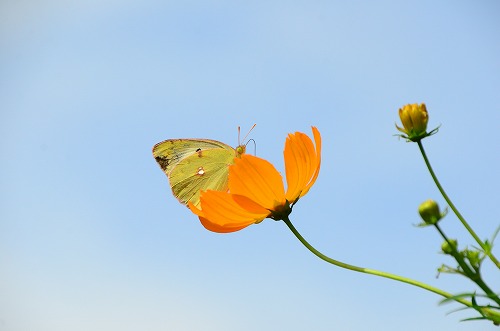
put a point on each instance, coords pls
(195, 165)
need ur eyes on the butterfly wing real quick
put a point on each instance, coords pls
(169, 153)
(196, 173)
(193, 165)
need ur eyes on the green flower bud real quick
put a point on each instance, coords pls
(429, 211)
(474, 258)
(448, 247)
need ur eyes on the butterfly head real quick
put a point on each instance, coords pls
(241, 149)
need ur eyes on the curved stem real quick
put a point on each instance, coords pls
(372, 271)
(486, 250)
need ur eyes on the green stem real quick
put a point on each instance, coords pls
(486, 250)
(372, 271)
(454, 252)
(473, 275)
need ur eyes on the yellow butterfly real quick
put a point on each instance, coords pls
(194, 165)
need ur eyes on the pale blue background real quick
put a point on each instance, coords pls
(91, 237)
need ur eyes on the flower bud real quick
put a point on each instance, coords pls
(414, 118)
(474, 258)
(449, 246)
(429, 211)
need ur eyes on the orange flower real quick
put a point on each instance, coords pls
(256, 189)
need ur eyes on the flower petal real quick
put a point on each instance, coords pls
(258, 180)
(221, 213)
(316, 165)
(214, 227)
(302, 163)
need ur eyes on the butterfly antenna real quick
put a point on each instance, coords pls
(254, 145)
(239, 142)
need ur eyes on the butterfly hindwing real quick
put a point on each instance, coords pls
(205, 170)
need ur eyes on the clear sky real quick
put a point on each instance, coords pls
(91, 237)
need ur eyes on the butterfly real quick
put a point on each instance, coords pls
(195, 165)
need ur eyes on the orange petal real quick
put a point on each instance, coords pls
(316, 165)
(295, 165)
(302, 163)
(250, 205)
(221, 213)
(258, 180)
(214, 227)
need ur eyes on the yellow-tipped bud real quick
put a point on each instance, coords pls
(414, 118)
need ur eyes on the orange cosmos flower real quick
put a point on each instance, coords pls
(256, 189)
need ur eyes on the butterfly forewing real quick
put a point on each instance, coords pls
(169, 153)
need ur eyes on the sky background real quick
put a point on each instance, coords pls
(91, 237)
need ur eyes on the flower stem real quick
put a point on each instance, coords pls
(372, 271)
(472, 274)
(486, 250)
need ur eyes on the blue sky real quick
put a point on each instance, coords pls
(91, 237)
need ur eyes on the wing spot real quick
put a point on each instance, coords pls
(200, 171)
(163, 162)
